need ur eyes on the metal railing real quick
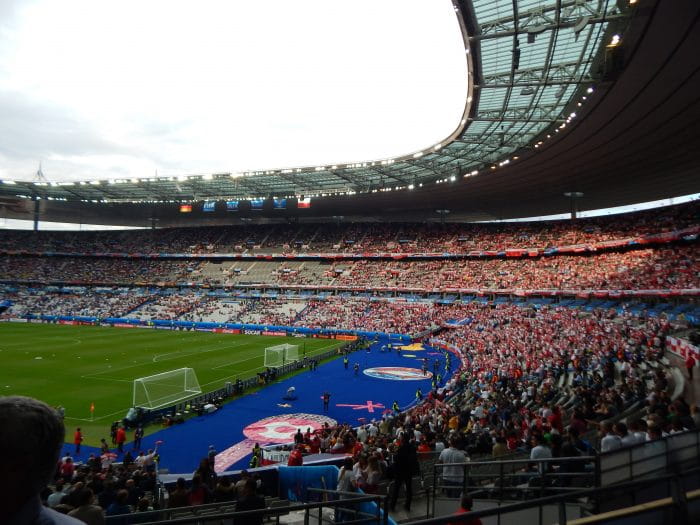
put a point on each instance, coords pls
(500, 480)
(558, 508)
(649, 458)
(349, 507)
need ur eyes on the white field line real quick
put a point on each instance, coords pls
(185, 353)
(236, 362)
(123, 411)
(108, 379)
(262, 367)
(127, 367)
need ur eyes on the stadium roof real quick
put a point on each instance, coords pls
(528, 60)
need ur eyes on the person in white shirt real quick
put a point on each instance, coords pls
(372, 430)
(453, 471)
(439, 444)
(610, 440)
(540, 450)
(626, 439)
(362, 434)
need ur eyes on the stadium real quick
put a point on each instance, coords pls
(498, 326)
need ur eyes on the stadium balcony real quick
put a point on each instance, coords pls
(398, 239)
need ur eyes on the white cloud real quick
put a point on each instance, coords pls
(100, 88)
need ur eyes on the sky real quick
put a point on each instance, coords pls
(96, 89)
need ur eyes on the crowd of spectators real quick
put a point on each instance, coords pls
(95, 271)
(85, 303)
(671, 267)
(358, 237)
(547, 382)
(360, 314)
(534, 383)
(664, 268)
(96, 488)
(333, 312)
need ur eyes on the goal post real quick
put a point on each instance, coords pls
(280, 355)
(166, 388)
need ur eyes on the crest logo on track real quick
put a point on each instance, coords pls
(398, 373)
(281, 429)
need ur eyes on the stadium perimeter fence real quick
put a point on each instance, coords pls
(231, 389)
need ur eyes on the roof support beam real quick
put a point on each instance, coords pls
(564, 73)
(577, 13)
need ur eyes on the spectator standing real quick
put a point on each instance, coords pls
(453, 472)
(77, 440)
(138, 437)
(121, 438)
(405, 466)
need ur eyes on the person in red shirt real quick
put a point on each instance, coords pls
(295, 458)
(423, 446)
(689, 364)
(77, 440)
(555, 420)
(67, 470)
(315, 444)
(464, 507)
(121, 439)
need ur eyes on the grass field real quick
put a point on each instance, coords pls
(75, 366)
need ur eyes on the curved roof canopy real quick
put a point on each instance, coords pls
(529, 63)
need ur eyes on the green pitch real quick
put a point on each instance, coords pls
(74, 366)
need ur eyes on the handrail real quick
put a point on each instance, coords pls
(523, 460)
(360, 498)
(557, 499)
(503, 472)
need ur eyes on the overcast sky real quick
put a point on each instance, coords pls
(112, 89)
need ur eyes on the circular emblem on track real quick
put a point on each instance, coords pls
(281, 429)
(398, 373)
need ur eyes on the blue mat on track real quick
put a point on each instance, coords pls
(355, 399)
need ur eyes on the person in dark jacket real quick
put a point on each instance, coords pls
(405, 466)
(249, 500)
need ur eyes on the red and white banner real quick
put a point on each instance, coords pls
(682, 348)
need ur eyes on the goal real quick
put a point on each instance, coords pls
(279, 355)
(165, 389)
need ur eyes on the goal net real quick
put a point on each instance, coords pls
(165, 389)
(278, 355)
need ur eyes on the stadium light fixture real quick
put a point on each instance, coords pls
(453, 178)
(589, 90)
(614, 42)
(10, 182)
